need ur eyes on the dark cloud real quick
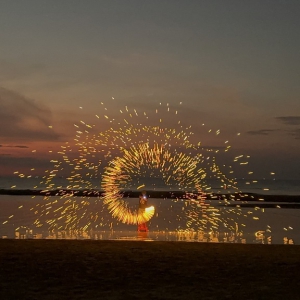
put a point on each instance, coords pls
(17, 146)
(289, 120)
(24, 119)
(295, 133)
(261, 131)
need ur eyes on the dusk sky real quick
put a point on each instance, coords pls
(233, 64)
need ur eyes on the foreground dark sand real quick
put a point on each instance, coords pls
(62, 269)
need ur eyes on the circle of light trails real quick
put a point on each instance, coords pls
(128, 146)
(180, 167)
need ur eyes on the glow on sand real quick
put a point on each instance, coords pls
(121, 151)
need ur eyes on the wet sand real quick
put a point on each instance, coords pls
(68, 269)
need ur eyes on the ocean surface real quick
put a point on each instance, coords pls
(174, 220)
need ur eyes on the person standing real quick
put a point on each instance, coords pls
(143, 203)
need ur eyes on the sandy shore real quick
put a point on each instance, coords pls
(62, 269)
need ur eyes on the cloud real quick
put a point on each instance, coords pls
(295, 133)
(289, 120)
(17, 146)
(261, 131)
(24, 119)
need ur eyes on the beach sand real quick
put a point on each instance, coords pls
(72, 269)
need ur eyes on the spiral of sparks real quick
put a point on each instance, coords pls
(179, 167)
(135, 146)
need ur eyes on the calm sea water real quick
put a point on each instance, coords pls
(251, 225)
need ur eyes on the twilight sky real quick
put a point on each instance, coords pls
(234, 64)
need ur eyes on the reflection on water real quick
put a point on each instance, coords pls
(259, 237)
(247, 224)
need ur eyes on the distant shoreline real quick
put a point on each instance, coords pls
(155, 194)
